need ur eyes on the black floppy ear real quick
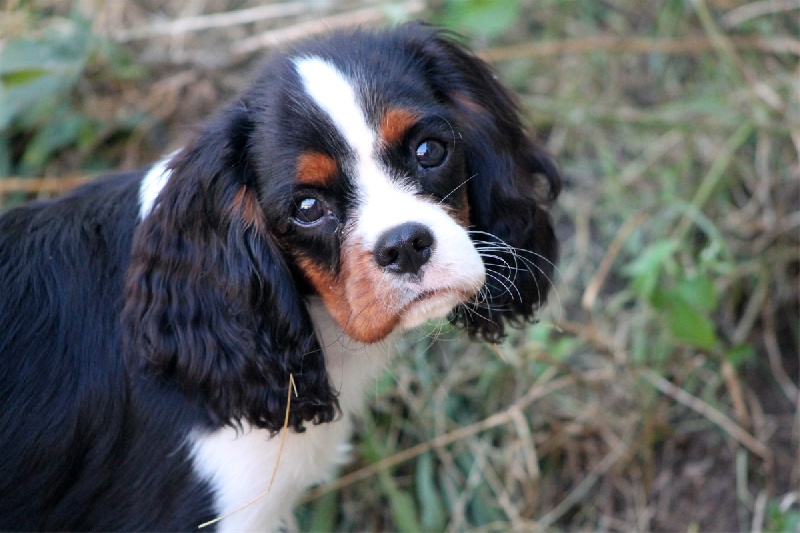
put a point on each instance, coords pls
(210, 304)
(510, 177)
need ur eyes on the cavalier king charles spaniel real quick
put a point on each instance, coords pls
(153, 324)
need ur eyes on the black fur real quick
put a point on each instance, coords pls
(84, 445)
(119, 337)
(209, 300)
(503, 165)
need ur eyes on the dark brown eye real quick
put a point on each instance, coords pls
(430, 153)
(308, 210)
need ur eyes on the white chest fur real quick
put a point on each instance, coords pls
(240, 466)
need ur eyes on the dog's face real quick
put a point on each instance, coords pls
(377, 215)
(377, 210)
(386, 172)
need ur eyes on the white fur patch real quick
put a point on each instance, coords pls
(151, 186)
(239, 467)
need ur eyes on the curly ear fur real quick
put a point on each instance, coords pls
(507, 170)
(210, 304)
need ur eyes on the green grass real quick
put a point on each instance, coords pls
(659, 389)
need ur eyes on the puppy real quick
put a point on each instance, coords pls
(153, 323)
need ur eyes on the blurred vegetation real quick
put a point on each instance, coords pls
(659, 391)
(44, 103)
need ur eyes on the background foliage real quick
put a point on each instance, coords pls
(660, 388)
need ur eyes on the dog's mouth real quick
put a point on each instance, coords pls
(431, 304)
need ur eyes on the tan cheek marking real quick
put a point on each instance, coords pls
(373, 317)
(316, 169)
(355, 298)
(395, 124)
(326, 284)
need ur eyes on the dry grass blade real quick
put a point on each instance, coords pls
(641, 45)
(40, 185)
(594, 285)
(507, 416)
(496, 349)
(699, 406)
(586, 484)
(284, 432)
(753, 10)
(212, 21)
(302, 30)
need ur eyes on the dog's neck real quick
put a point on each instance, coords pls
(353, 367)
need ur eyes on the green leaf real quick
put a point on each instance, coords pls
(325, 512)
(661, 298)
(432, 512)
(404, 511)
(22, 100)
(53, 136)
(65, 48)
(539, 333)
(780, 519)
(481, 17)
(739, 354)
(20, 77)
(645, 269)
(34, 71)
(56, 56)
(689, 325)
(698, 290)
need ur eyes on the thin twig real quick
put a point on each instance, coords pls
(610, 44)
(726, 49)
(715, 175)
(40, 185)
(759, 511)
(773, 349)
(597, 281)
(699, 406)
(496, 349)
(498, 419)
(735, 390)
(752, 10)
(211, 21)
(284, 432)
(579, 492)
(305, 29)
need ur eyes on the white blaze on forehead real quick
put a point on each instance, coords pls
(332, 92)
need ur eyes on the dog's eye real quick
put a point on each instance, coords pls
(430, 153)
(308, 210)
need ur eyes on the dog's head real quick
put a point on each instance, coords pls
(387, 172)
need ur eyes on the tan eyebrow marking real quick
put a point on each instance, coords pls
(395, 124)
(316, 169)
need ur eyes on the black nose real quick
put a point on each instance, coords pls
(404, 248)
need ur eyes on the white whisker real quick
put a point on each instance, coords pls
(496, 244)
(446, 196)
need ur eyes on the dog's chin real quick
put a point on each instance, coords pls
(419, 308)
(429, 306)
